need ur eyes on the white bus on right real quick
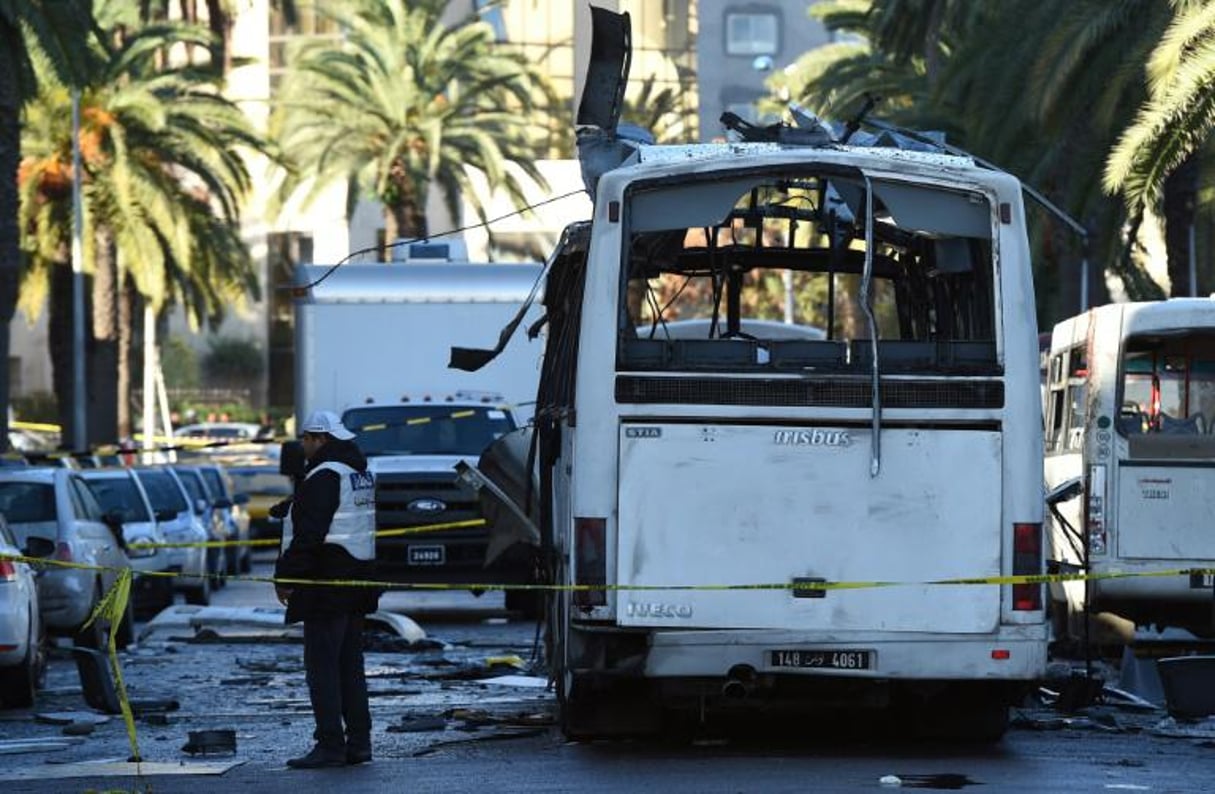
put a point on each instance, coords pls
(1130, 418)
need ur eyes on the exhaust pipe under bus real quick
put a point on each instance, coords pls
(740, 682)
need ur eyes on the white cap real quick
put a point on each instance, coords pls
(326, 422)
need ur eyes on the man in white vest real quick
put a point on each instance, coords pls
(332, 538)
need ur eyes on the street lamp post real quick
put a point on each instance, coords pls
(80, 438)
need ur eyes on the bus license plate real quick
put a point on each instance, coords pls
(427, 555)
(1202, 580)
(833, 660)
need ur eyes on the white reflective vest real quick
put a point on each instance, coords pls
(353, 525)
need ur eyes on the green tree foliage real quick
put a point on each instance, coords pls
(1159, 162)
(233, 362)
(53, 34)
(165, 178)
(1044, 88)
(402, 102)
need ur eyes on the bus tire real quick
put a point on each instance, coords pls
(577, 708)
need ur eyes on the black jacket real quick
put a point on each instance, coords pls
(309, 557)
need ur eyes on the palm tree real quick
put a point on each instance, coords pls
(402, 102)
(165, 183)
(1156, 160)
(1041, 88)
(54, 34)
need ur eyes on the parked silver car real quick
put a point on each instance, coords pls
(231, 508)
(203, 502)
(56, 504)
(176, 518)
(123, 498)
(22, 636)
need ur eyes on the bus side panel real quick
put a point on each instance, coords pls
(712, 505)
(1166, 512)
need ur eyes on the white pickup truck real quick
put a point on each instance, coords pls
(373, 343)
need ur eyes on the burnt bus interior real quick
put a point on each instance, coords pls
(766, 274)
(1168, 384)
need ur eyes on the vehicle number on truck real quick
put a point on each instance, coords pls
(427, 555)
(834, 660)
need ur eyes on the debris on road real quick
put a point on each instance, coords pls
(13, 746)
(222, 740)
(418, 724)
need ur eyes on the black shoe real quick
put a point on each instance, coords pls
(357, 756)
(318, 758)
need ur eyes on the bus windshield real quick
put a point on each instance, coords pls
(765, 273)
(1168, 385)
(427, 429)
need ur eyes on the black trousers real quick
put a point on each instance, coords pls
(333, 665)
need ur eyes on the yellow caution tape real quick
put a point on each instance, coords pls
(113, 607)
(800, 586)
(42, 427)
(391, 532)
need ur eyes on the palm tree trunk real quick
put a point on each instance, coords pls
(10, 252)
(126, 333)
(405, 213)
(103, 362)
(59, 332)
(220, 23)
(1180, 194)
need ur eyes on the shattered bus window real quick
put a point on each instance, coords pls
(765, 273)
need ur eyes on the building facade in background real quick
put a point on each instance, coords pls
(711, 55)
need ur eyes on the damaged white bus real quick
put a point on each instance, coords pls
(1130, 421)
(754, 517)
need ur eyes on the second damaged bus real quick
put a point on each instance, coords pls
(1130, 417)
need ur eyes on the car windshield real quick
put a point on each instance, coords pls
(120, 493)
(27, 502)
(260, 481)
(214, 481)
(427, 429)
(193, 484)
(163, 492)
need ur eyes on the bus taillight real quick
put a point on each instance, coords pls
(1027, 561)
(590, 561)
(1094, 509)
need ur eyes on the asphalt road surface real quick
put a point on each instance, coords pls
(463, 710)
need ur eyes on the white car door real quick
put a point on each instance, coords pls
(87, 514)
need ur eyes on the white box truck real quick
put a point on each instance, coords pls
(372, 342)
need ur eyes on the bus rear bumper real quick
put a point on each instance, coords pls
(1015, 653)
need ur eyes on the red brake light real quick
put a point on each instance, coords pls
(590, 561)
(1027, 539)
(8, 571)
(1027, 561)
(63, 552)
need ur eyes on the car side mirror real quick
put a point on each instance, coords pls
(113, 520)
(241, 499)
(38, 547)
(200, 506)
